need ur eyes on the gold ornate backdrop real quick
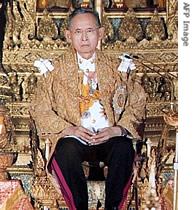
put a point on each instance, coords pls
(145, 29)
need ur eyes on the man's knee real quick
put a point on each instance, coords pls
(124, 145)
(66, 145)
(124, 151)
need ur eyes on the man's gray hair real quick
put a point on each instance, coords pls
(83, 11)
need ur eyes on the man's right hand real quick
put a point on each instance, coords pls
(79, 132)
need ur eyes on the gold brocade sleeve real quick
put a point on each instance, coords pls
(48, 121)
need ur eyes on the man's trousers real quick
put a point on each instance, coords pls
(117, 153)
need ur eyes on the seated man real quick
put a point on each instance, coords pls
(90, 113)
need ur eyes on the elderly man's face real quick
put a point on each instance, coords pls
(84, 34)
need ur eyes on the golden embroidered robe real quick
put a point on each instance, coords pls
(56, 102)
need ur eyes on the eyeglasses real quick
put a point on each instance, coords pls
(88, 32)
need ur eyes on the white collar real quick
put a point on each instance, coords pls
(86, 64)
